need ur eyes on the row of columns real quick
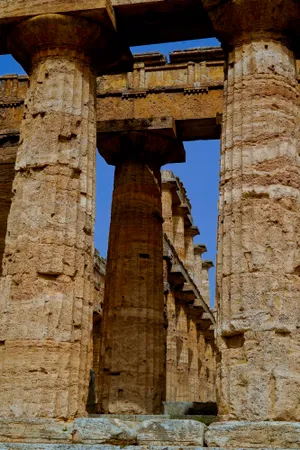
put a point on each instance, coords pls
(45, 308)
(189, 379)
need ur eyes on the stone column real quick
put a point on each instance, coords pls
(199, 249)
(8, 152)
(258, 268)
(189, 260)
(47, 289)
(132, 367)
(171, 355)
(167, 212)
(193, 380)
(182, 353)
(205, 288)
(178, 231)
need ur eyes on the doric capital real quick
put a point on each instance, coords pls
(152, 141)
(59, 34)
(199, 249)
(242, 20)
(206, 265)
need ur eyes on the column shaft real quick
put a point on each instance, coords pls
(182, 353)
(193, 380)
(189, 251)
(167, 210)
(258, 259)
(7, 174)
(46, 289)
(132, 369)
(171, 359)
(178, 232)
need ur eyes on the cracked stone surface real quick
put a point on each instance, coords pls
(47, 285)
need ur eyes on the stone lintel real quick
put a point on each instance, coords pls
(259, 435)
(194, 55)
(155, 430)
(207, 264)
(199, 249)
(152, 140)
(149, 59)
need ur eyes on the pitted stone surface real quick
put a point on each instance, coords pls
(279, 435)
(47, 284)
(258, 262)
(102, 430)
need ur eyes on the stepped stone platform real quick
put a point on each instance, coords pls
(145, 433)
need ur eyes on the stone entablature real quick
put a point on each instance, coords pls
(189, 88)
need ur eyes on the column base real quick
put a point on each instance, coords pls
(104, 432)
(250, 435)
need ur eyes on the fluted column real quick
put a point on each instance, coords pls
(167, 211)
(182, 391)
(189, 259)
(205, 287)
(199, 249)
(258, 256)
(171, 354)
(193, 376)
(46, 289)
(133, 354)
(178, 231)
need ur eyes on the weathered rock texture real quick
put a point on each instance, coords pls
(258, 284)
(46, 289)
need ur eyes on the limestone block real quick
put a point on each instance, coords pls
(91, 431)
(170, 432)
(285, 435)
(34, 430)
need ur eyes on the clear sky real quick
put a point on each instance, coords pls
(199, 174)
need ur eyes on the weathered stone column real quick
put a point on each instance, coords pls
(182, 392)
(167, 208)
(205, 289)
(199, 249)
(8, 152)
(171, 353)
(46, 289)
(189, 259)
(132, 366)
(178, 231)
(258, 284)
(193, 379)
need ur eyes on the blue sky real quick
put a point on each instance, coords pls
(200, 173)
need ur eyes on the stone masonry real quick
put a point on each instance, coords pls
(138, 118)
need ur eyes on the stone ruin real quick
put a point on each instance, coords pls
(152, 322)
